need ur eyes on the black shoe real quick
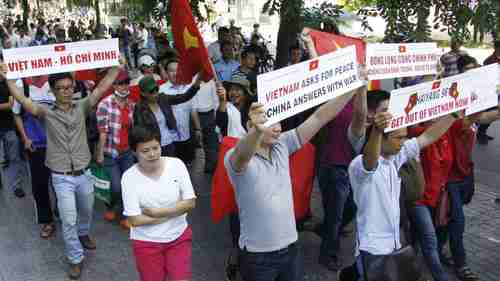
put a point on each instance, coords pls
(331, 263)
(19, 193)
(497, 200)
(466, 274)
(490, 137)
(349, 273)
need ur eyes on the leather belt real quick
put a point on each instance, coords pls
(71, 173)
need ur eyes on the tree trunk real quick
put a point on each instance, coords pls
(97, 13)
(26, 12)
(291, 24)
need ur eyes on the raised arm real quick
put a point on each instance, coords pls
(248, 145)
(189, 94)
(105, 83)
(360, 111)
(322, 116)
(309, 43)
(434, 132)
(373, 147)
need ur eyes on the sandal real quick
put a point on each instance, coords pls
(466, 274)
(47, 231)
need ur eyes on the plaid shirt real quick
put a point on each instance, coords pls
(109, 122)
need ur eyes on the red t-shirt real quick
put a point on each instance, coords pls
(462, 143)
(436, 160)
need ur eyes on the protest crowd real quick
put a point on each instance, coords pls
(137, 126)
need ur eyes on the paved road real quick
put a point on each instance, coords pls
(25, 257)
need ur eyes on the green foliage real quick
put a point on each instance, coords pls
(324, 15)
(356, 5)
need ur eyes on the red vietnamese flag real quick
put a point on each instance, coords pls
(327, 42)
(59, 48)
(301, 162)
(193, 55)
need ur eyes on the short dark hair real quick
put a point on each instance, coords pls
(375, 97)
(172, 60)
(246, 52)
(141, 134)
(53, 78)
(294, 47)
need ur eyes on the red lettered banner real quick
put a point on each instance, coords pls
(64, 57)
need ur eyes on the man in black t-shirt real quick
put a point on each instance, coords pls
(10, 156)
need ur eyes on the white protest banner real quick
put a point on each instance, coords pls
(401, 60)
(293, 89)
(484, 84)
(426, 101)
(64, 57)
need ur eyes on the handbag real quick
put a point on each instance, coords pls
(400, 265)
(412, 181)
(442, 213)
(102, 182)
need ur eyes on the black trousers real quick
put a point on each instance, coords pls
(40, 175)
(185, 151)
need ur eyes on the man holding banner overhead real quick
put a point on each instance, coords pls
(68, 157)
(258, 166)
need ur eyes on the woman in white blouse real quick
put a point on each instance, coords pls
(157, 195)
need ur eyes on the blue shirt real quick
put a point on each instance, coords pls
(376, 194)
(225, 70)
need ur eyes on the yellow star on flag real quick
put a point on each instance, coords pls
(190, 41)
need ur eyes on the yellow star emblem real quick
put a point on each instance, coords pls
(337, 45)
(190, 41)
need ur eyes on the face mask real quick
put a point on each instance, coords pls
(121, 95)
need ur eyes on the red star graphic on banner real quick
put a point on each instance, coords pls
(313, 65)
(60, 48)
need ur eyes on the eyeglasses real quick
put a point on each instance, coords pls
(65, 89)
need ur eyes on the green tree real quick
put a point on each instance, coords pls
(294, 16)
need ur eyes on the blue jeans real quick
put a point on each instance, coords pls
(10, 159)
(456, 226)
(426, 233)
(115, 168)
(281, 265)
(75, 201)
(338, 206)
